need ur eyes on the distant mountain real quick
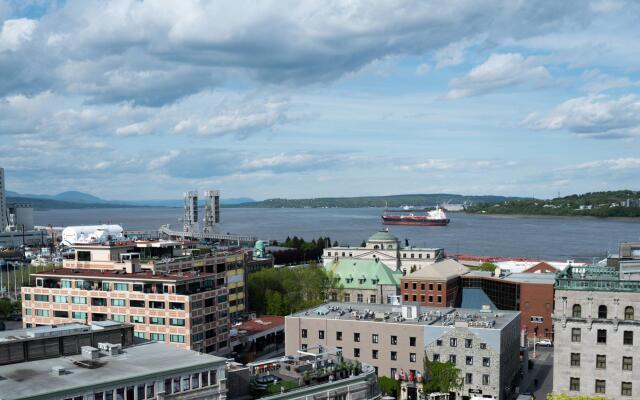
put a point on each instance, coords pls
(75, 199)
(416, 200)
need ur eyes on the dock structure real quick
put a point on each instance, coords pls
(207, 236)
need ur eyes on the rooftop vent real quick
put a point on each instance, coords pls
(90, 353)
(111, 348)
(58, 370)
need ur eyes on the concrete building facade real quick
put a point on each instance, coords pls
(396, 339)
(597, 333)
(385, 247)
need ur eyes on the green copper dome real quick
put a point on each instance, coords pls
(383, 236)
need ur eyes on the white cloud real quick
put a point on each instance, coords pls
(135, 129)
(455, 165)
(15, 32)
(451, 55)
(616, 164)
(499, 71)
(423, 69)
(596, 116)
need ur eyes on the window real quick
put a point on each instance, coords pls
(334, 296)
(394, 355)
(394, 372)
(483, 346)
(177, 338)
(469, 360)
(119, 317)
(176, 322)
(626, 389)
(42, 313)
(453, 342)
(600, 386)
(436, 357)
(574, 384)
(468, 378)
(137, 319)
(431, 286)
(406, 285)
(374, 338)
(627, 363)
(156, 304)
(430, 299)
(601, 361)
(602, 311)
(106, 286)
(412, 341)
(176, 306)
(136, 303)
(196, 337)
(628, 313)
(65, 284)
(576, 334)
(422, 298)
(156, 320)
(78, 315)
(356, 352)
(118, 302)
(627, 338)
(98, 302)
(372, 298)
(394, 340)
(575, 359)
(60, 314)
(415, 297)
(320, 334)
(78, 300)
(452, 359)
(412, 357)
(41, 297)
(304, 333)
(485, 379)
(439, 286)
(347, 297)
(338, 335)
(359, 298)
(439, 299)
(486, 362)
(356, 337)
(468, 343)
(303, 347)
(60, 299)
(374, 354)
(121, 287)
(576, 311)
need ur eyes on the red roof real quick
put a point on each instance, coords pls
(261, 324)
(120, 274)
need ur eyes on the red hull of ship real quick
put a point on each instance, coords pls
(424, 222)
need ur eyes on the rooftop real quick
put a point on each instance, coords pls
(522, 277)
(363, 274)
(123, 275)
(261, 324)
(594, 278)
(54, 330)
(441, 270)
(35, 378)
(431, 316)
(382, 236)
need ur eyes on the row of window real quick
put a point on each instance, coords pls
(375, 338)
(359, 297)
(629, 314)
(423, 286)
(190, 382)
(601, 336)
(601, 361)
(626, 388)
(102, 302)
(486, 361)
(468, 343)
(423, 298)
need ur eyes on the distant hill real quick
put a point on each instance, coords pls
(75, 199)
(416, 200)
(619, 203)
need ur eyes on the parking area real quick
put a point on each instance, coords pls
(539, 380)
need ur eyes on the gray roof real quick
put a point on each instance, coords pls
(144, 361)
(441, 270)
(433, 316)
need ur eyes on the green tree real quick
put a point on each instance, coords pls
(388, 386)
(6, 308)
(441, 377)
(487, 266)
(562, 396)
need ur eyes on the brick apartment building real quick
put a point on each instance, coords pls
(173, 296)
(435, 285)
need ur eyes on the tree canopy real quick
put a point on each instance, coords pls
(563, 396)
(441, 377)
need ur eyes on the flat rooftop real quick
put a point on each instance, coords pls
(55, 330)
(426, 316)
(520, 277)
(122, 275)
(35, 378)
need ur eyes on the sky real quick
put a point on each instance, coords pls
(139, 100)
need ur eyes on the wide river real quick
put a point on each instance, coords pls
(550, 238)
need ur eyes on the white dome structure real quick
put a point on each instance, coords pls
(87, 234)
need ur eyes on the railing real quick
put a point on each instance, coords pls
(597, 285)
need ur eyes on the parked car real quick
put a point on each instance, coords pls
(526, 396)
(545, 343)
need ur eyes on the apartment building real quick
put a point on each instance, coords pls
(484, 345)
(435, 285)
(386, 248)
(597, 332)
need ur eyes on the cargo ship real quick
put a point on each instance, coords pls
(436, 217)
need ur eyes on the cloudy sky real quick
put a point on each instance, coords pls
(147, 99)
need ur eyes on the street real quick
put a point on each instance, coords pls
(542, 371)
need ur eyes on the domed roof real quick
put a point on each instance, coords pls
(383, 236)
